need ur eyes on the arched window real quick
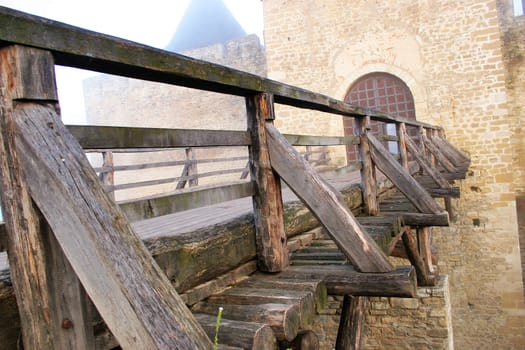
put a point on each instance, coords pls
(380, 91)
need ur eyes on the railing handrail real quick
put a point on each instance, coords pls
(75, 47)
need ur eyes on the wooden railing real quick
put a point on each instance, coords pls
(61, 222)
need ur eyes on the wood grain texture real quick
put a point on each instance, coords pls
(368, 171)
(425, 277)
(401, 131)
(47, 290)
(272, 252)
(115, 137)
(326, 204)
(401, 178)
(352, 323)
(438, 155)
(113, 265)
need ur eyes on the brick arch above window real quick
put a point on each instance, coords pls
(380, 91)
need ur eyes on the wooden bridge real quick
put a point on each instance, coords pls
(155, 270)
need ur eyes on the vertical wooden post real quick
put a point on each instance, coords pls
(424, 238)
(108, 177)
(190, 168)
(401, 135)
(432, 158)
(368, 172)
(421, 133)
(272, 253)
(51, 301)
(351, 325)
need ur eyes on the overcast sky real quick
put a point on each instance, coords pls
(151, 22)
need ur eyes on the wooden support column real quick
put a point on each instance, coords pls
(424, 238)
(368, 171)
(350, 332)
(272, 252)
(51, 302)
(402, 136)
(423, 151)
(131, 293)
(424, 275)
(108, 176)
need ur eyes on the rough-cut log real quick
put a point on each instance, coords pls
(350, 332)
(272, 253)
(113, 265)
(403, 137)
(107, 177)
(327, 204)
(423, 163)
(424, 238)
(368, 171)
(399, 251)
(85, 49)
(442, 159)
(245, 335)
(424, 276)
(283, 318)
(189, 170)
(3, 236)
(265, 281)
(458, 158)
(147, 208)
(50, 297)
(419, 219)
(344, 279)
(305, 340)
(401, 178)
(247, 296)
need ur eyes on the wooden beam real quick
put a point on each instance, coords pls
(308, 140)
(458, 158)
(51, 301)
(272, 252)
(189, 170)
(428, 168)
(401, 178)
(420, 219)
(113, 137)
(442, 159)
(352, 323)
(147, 208)
(305, 340)
(326, 204)
(117, 271)
(425, 277)
(368, 171)
(80, 48)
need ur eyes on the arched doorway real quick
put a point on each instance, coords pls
(380, 91)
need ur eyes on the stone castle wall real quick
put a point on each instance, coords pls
(454, 56)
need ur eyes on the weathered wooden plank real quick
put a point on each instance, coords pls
(327, 204)
(457, 157)
(368, 171)
(50, 297)
(423, 163)
(75, 47)
(421, 219)
(344, 279)
(3, 237)
(272, 252)
(424, 239)
(401, 131)
(283, 318)
(351, 324)
(147, 208)
(116, 137)
(189, 170)
(310, 140)
(115, 268)
(217, 285)
(441, 158)
(401, 178)
(246, 335)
